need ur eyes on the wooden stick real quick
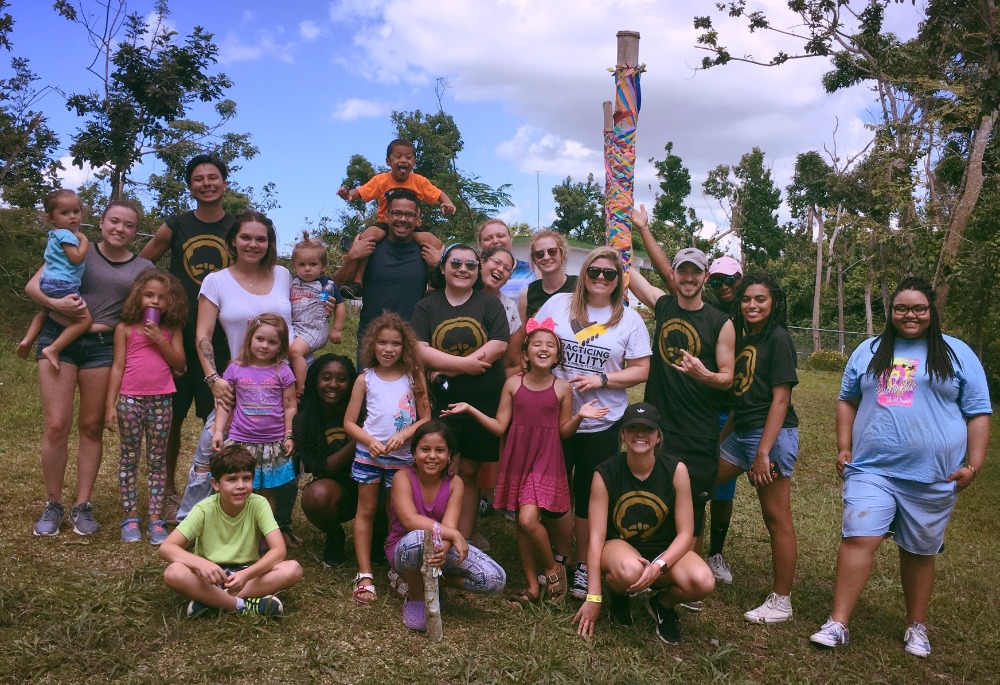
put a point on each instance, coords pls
(628, 47)
(609, 120)
(432, 603)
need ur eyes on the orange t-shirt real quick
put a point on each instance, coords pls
(383, 183)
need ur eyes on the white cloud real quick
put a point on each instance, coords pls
(532, 149)
(232, 48)
(346, 11)
(72, 176)
(309, 30)
(356, 108)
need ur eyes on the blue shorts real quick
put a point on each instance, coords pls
(93, 350)
(739, 449)
(917, 513)
(367, 469)
(56, 287)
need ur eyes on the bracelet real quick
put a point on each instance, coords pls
(604, 379)
(287, 437)
(211, 378)
(662, 563)
(596, 599)
(973, 469)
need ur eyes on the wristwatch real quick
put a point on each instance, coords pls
(604, 379)
(663, 565)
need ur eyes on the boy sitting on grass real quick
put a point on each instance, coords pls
(226, 571)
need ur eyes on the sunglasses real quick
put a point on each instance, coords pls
(719, 281)
(903, 310)
(470, 264)
(550, 251)
(594, 271)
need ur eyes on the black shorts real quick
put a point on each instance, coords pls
(583, 452)
(191, 386)
(701, 457)
(475, 443)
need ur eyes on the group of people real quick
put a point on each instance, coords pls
(508, 377)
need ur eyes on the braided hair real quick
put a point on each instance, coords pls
(779, 304)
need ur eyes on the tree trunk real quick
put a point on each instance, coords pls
(432, 603)
(817, 344)
(972, 184)
(840, 304)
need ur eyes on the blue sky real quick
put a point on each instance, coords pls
(315, 82)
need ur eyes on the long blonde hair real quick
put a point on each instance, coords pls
(578, 303)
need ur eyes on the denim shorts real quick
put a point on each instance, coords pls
(727, 491)
(56, 287)
(89, 351)
(740, 449)
(916, 513)
(367, 469)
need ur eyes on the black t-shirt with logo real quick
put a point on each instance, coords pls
(688, 407)
(460, 331)
(198, 248)
(763, 362)
(537, 296)
(641, 512)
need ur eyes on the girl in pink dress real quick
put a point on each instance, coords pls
(537, 407)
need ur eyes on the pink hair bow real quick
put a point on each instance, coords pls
(534, 324)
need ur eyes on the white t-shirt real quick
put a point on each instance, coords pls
(238, 306)
(591, 348)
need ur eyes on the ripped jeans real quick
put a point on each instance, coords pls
(199, 485)
(479, 572)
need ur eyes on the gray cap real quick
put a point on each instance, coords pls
(691, 255)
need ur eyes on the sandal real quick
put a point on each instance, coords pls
(555, 588)
(397, 583)
(291, 539)
(524, 599)
(365, 589)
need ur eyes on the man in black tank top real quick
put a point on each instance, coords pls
(196, 241)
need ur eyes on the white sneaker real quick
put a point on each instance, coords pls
(916, 640)
(831, 634)
(720, 569)
(775, 609)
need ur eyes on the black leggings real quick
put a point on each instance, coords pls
(583, 452)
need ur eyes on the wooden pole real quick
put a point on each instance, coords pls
(432, 602)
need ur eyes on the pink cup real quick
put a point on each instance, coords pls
(151, 314)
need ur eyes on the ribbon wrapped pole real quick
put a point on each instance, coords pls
(619, 147)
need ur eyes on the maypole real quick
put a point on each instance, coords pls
(619, 147)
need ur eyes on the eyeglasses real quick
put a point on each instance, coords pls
(917, 309)
(400, 214)
(594, 271)
(550, 251)
(504, 266)
(719, 281)
(470, 264)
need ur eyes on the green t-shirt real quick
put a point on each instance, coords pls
(225, 539)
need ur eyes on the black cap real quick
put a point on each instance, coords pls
(642, 413)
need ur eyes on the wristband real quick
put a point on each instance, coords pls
(664, 567)
(287, 437)
(973, 469)
(596, 599)
(211, 378)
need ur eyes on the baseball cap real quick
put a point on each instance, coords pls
(642, 413)
(726, 266)
(691, 255)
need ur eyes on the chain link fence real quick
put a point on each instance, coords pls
(829, 338)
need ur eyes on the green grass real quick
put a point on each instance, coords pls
(95, 610)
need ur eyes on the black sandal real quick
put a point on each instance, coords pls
(524, 599)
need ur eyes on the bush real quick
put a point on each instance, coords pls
(826, 360)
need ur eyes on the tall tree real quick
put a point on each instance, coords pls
(675, 187)
(750, 200)
(580, 210)
(808, 197)
(148, 80)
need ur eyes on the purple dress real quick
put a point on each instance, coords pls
(532, 470)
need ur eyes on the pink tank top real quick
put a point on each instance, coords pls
(146, 371)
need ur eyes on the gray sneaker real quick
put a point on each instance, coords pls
(50, 520)
(82, 516)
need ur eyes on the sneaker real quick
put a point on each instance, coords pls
(693, 607)
(352, 291)
(775, 609)
(50, 520)
(485, 508)
(82, 516)
(668, 625)
(196, 609)
(157, 532)
(268, 605)
(720, 569)
(130, 530)
(478, 540)
(579, 587)
(831, 634)
(619, 609)
(334, 554)
(415, 614)
(171, 505)
(916, 640)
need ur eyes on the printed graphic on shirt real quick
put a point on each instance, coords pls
(743, 371)
(676, 335)
(639, 514)
(259, 398)
(336, 434)
(203, 254)
(896, 388)
(406, 413)
(460, 336)
(588, 333)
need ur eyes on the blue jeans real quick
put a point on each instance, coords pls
(481, 574)
(199, 484)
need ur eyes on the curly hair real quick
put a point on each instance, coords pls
(779, 304)
(173, 301)
(409, 357)
(941, 359)
(578, 303)
(275, 322)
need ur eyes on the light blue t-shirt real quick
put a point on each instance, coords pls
(519, 279)
(57, 263)
(909, 426)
